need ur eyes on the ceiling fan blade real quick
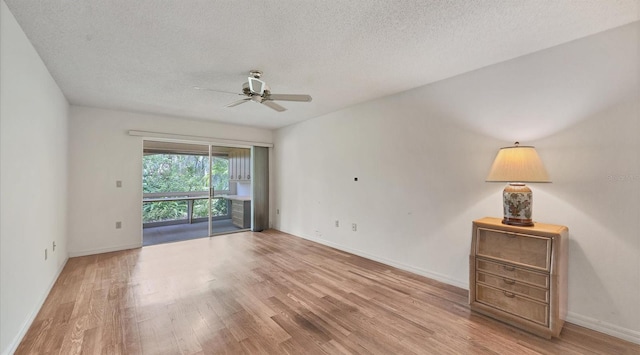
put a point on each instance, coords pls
(236, 103)
(207, 89)
(289, 97)
(274, 105)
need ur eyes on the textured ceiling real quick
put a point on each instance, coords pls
(147, 55)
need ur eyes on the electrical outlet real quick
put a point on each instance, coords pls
(45, 254)
(53, 248)
(354, 227)
(277, 211)
(118, 183)
(337, 223)
(118, 225)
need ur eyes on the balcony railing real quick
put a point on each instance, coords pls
(181, 208)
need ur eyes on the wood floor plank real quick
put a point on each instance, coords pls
(72, 342)
(263, 315)
(221, 342)
(271, 293)
(131, 331)
(36, 339)
(183, 329)
(58, 330)
(156, 336)
(92, 341)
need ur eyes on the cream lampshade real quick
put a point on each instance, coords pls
(517, 165)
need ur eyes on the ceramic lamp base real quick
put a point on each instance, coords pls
(517, 200)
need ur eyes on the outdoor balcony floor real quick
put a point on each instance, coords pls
(179, 232)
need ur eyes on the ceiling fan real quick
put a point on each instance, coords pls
(258, 91)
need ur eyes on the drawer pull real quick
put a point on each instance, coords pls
(509, 281)
(509, 268)
(509, 294)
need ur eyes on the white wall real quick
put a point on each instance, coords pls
(421, 158)
(33, 181)
(101, 152)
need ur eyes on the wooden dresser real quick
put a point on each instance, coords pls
(519, 274)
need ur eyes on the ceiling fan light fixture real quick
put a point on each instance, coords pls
(257, 86)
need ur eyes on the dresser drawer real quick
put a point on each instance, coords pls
(527, 250)
(513, 286)
(512, 303)
(513, 272)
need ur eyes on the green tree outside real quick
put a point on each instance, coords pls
(182, 173)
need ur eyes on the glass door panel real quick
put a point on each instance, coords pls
(175, 187)
(231, 190)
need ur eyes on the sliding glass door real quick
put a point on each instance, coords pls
(193, 191)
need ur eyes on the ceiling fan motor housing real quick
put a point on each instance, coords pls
(258, 91)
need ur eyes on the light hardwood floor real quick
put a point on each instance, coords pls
(271, 293)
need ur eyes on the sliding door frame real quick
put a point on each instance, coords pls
(211, 142)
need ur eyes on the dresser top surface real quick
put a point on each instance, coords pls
(492, 222)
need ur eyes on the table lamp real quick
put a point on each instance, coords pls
(517, 165)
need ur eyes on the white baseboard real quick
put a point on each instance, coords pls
(587, 322)
(430, 274)
(604, 327)
(13, 346)
(73, 254)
